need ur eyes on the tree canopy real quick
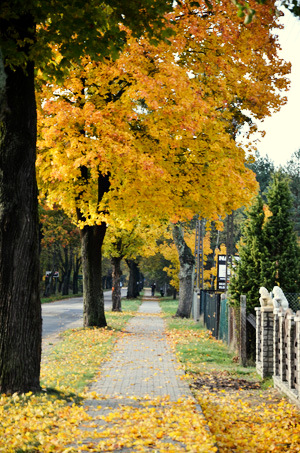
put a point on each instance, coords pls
(162, 128)
(31, 34)
(75, 28)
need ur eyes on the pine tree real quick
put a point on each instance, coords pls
(246, 276)
(269, 253)
(280, 259)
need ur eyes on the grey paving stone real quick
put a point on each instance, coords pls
(142, 363)
(142, 366)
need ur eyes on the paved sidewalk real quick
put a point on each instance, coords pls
(142, 363)
(142, 368)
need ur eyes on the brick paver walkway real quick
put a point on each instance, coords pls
(142, 366)
(142, 363)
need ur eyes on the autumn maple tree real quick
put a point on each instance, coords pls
(153, 133)
(124, 244)
(29, 31)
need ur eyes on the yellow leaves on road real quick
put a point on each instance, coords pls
(186, 336)
(155, 425)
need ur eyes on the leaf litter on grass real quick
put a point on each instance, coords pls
(242, 414)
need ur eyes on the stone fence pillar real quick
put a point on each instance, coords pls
(278, 342)
(264, 343)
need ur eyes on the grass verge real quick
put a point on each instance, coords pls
(197, 349)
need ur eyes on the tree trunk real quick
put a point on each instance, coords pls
(91, 251)
(116, 288)
(186, 274)
(134, 274)
(20, 307)
(92, 238)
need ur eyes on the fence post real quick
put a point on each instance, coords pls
(196, 305)
(290, 340)
(229, 326)
(264, 316)
(276, 343)
(243, 331)
(258, 340)
(282, 358)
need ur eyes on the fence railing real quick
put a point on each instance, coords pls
(218, 317)
(278, 344)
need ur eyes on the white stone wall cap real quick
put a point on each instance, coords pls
(267, 309)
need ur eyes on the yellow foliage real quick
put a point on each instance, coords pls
(169, 251)
(165, 139)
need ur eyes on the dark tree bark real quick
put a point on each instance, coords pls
(134, 275)
(91, 251)
(116, 288)
(92, 238)
(186, 273)
(20, 308)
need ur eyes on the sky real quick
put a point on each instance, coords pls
(282, 137)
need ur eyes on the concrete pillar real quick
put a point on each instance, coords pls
(196, 305)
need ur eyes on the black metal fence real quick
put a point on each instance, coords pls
(217, 316)
(211, 311)
(224, 321)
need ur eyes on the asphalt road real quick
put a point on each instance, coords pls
(67, 314)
